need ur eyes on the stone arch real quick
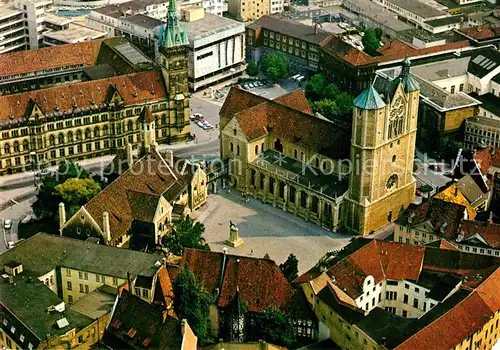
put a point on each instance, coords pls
(26, 145)
(16, 146)
(60, 138)
(97, 131)
(105, 130)
(69, 135)
(52, 140)
(87, 133)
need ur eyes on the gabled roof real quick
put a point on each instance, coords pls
(453, 194)
(137, 324)
(67, 99)
(79, 54)
(164, 292)
(260, 282)
(296, 100)
(134, 195)
(442, 244)
(490, 232)
(470, 189)
(444, 216)
(259, 117)
(369, 99)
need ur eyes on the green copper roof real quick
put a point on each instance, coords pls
(369, 99)
(173, 34)
(409, 83)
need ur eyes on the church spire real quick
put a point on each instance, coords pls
(173, 34)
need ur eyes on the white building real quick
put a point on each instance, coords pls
(216, 47)
(484, 131)
(276, 6)
(414, 11)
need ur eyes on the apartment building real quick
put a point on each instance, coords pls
(66, 271)
(216, 47)
(482, 132)
(376, 294)
(300, 42)
(245, 11)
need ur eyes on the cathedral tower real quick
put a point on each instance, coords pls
(381, 182)
(172, 56)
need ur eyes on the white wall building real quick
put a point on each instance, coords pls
(414, 11)
(216, 47)
(276, 6)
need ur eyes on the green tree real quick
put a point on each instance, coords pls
(76, 192)
(315, 87)
(331, 91)
(274, 66)
(327, 108)
(185, 234)
(252, 68)
(344, 102)
(48, 198)
(378, 31)
(449, 149)
(274, 325)
(290, 268)
(193, 304)
(371, 41)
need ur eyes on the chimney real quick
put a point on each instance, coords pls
(456, 190)
(62, 217)
(130, 156)
(169, 157)
(315, 28)
(490, 218)
(106, 234)
(129, 281)
(411, 217)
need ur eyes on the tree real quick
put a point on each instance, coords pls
(331, 91)
(378, 31)
(185, 234)
(315, 88)
(274, 325)
(449, 149)
(344, 102)
(252, 69)
(290, 268)
(274, 66)
(327, 108)
(371, 41)
(48, 198)
(193, 304)
(76, 192)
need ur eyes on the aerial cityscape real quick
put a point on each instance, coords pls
(250, 174)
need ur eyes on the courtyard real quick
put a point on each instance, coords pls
(265, 229)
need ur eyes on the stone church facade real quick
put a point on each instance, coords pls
(280, 152)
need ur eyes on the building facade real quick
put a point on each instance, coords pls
(97, 117)
(381, 183)
(246, 11)
(216, 47)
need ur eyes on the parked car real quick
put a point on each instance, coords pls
(43, 172)
(7, 224)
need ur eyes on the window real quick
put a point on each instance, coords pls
(417, 290)
(21, 338)
(80, 273)
(415, 303)
(70, 298)
(405, 313)
(138, 291)
(86, 288)
(145, 293)
(97, 278)
(13, 329)
(407, 286)
(115, 281)
(68, 272)
(85, 276)
(392, 283)
(405, 298)
(393, 158)
(30, 346)
(81, 288)
(452, 89)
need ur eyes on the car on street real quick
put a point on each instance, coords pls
(7, 224)
(43, 172)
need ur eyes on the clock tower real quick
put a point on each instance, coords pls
(381, 182)
(172, 56)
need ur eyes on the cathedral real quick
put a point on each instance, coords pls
(354, 181)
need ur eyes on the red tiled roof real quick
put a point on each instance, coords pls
(259, 281)
(286, 122)
(84, 53)
(482, 32)
(133, 88)
(296, 100)
(484, 159)
(380, 259)
(165, 285)
(394, 50)
(460, 322)
(150, 176)
(489, 231)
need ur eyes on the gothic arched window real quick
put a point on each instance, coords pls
(396, 118)
(392, 182)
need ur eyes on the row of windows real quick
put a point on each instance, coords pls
(145, 292)
(13, 331)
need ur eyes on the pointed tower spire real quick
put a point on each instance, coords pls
(410, 84)
(173, 33)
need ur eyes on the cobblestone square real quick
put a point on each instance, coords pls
(265, 229)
